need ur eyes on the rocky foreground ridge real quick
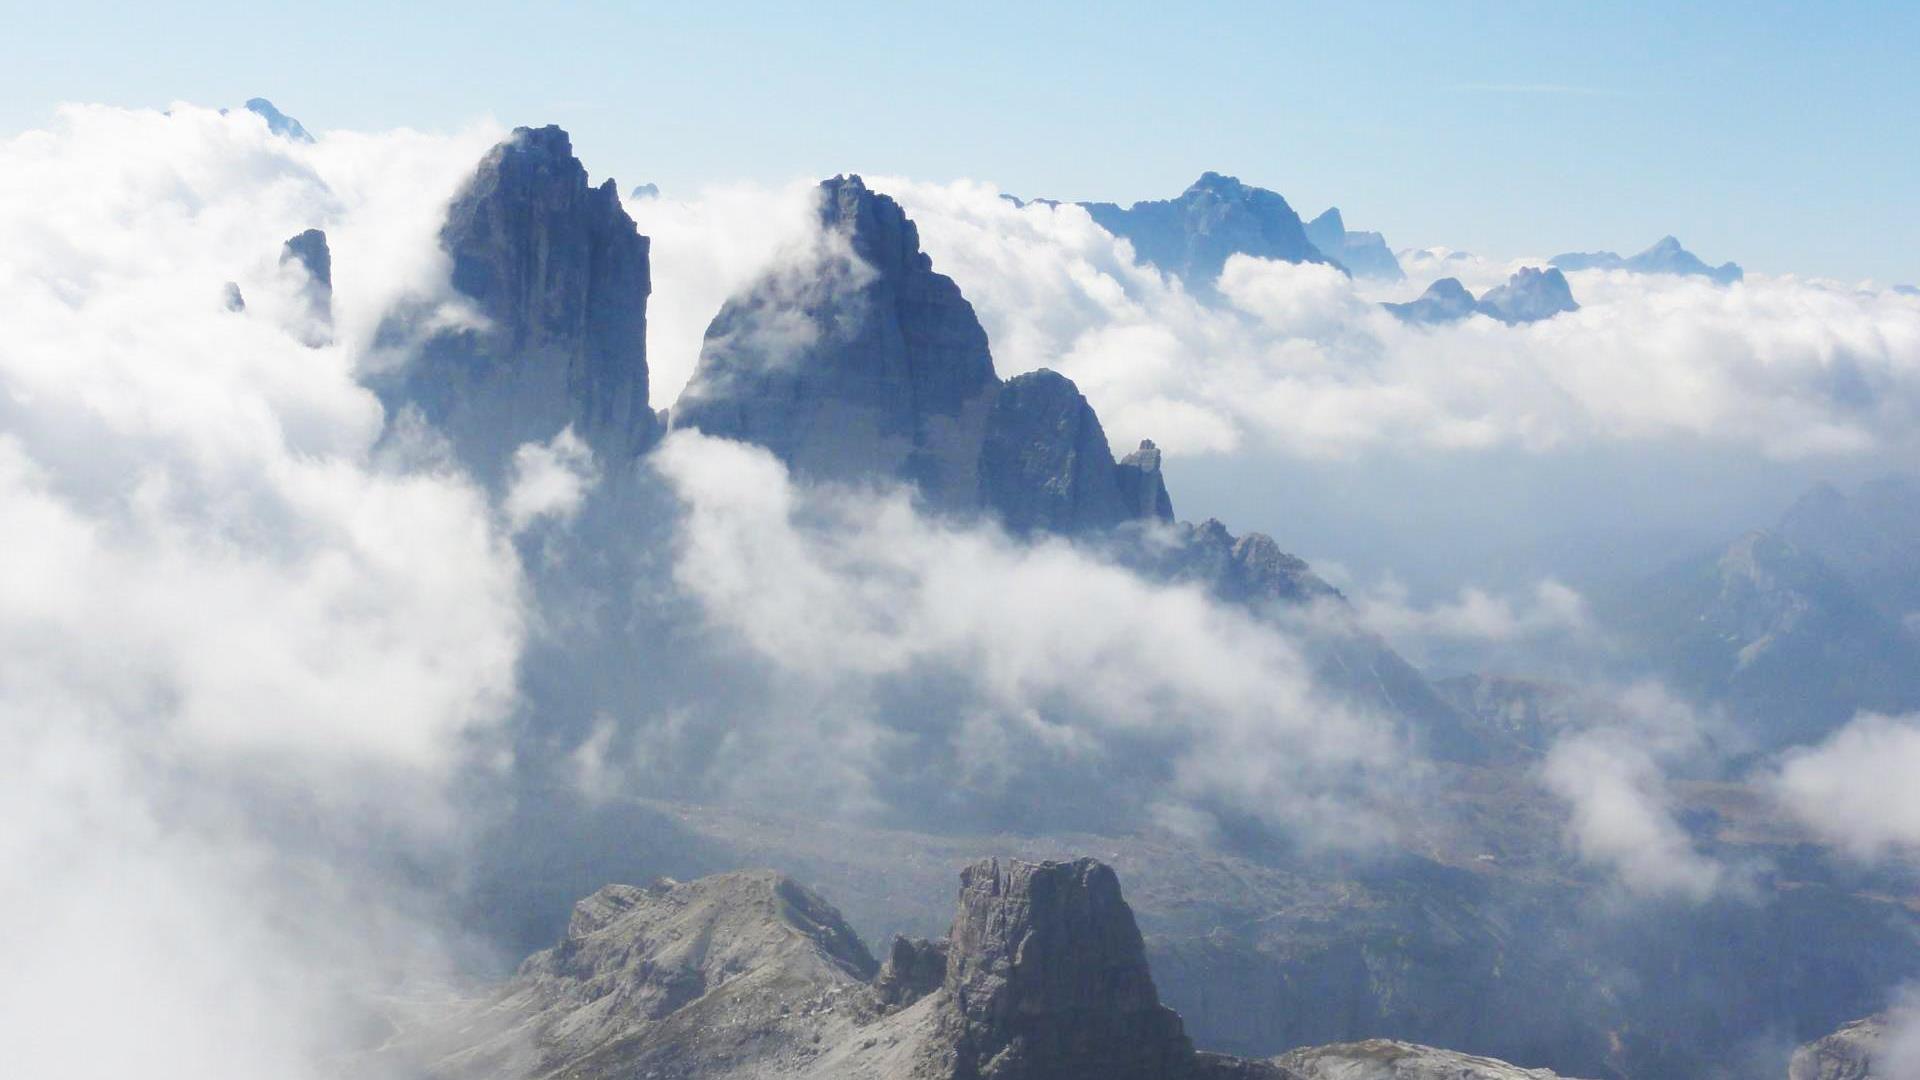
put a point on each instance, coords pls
(1043, 976)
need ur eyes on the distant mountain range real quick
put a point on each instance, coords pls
(1797, 628)
(1665, 257)
(1530, 295)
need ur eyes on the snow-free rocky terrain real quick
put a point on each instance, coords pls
(1042, 976)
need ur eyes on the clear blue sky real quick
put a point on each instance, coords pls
(1784, 137)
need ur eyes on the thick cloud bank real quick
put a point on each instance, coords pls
(237, 641)
(1049, 667)
(1303, 362)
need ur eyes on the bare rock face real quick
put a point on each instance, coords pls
(1383, 1059)
(1044, 460)
(915, 967)
(857, 360)
(1192, 236)
(1530, 295)
(1142, 488)
(1047, 978)
(687, 978)
(559, 274)
(1445, 301)
(310, 253)
(1855, 1052)
(866, 363)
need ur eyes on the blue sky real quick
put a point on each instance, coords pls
(1784, 137)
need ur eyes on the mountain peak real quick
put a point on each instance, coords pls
(561, 274)
(278, 123)
(1048, 973)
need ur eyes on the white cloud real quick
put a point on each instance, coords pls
(1047, 658)
(1612, 776)
(235, 646)
(1856, 788)
(550, 480)
(1474, 614)
(1304, 364)
(704, 250)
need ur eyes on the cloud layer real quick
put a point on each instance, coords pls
(237, 645)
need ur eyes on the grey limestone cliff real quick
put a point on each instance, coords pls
(558, 275)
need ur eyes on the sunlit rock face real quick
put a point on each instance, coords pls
(557, 274)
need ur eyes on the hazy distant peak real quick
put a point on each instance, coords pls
(278, 122)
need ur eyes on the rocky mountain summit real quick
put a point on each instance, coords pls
(1043, 976)
(1866, 1049)
(1364, 254)
(1192, 236)
(1775, 634)
(1530, 295)
(1386, 1059)
(1444, 301)
(862, 361)
(278, 123)
(1666, 256)
(309, 253)
(557, 275)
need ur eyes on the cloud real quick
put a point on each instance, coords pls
(550, 480)
(1856, 788)
(241, 654)
(705, 250)
(1474, 614)
(1302, 363)
(1612, 777)
(1052, 671)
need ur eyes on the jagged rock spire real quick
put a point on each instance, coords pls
(310, 253)
(1048, 978)
(560, 275)
(853, 358)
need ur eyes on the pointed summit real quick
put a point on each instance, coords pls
(559, 272)
(1530, 295)
(1666, 256)
(855, 359)
(1364, 254)
(278, 122)
(852, 358)
(1048, 975)
(1216, 217)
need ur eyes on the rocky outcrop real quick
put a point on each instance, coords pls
(860, 361)
(1043, 977)
(1364, 254)
(1858, 1051)
(857, 360)
(558, 275)
(1530, 295)
(1193, 235)
(1445, 301)
(1142, 488)
(308, 252)
(231, 297)
(915, 967)
(1383, 1059)
(1047, 979)
(278, 123)
(1044, 460)
(1667, 256)
(688, 978)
